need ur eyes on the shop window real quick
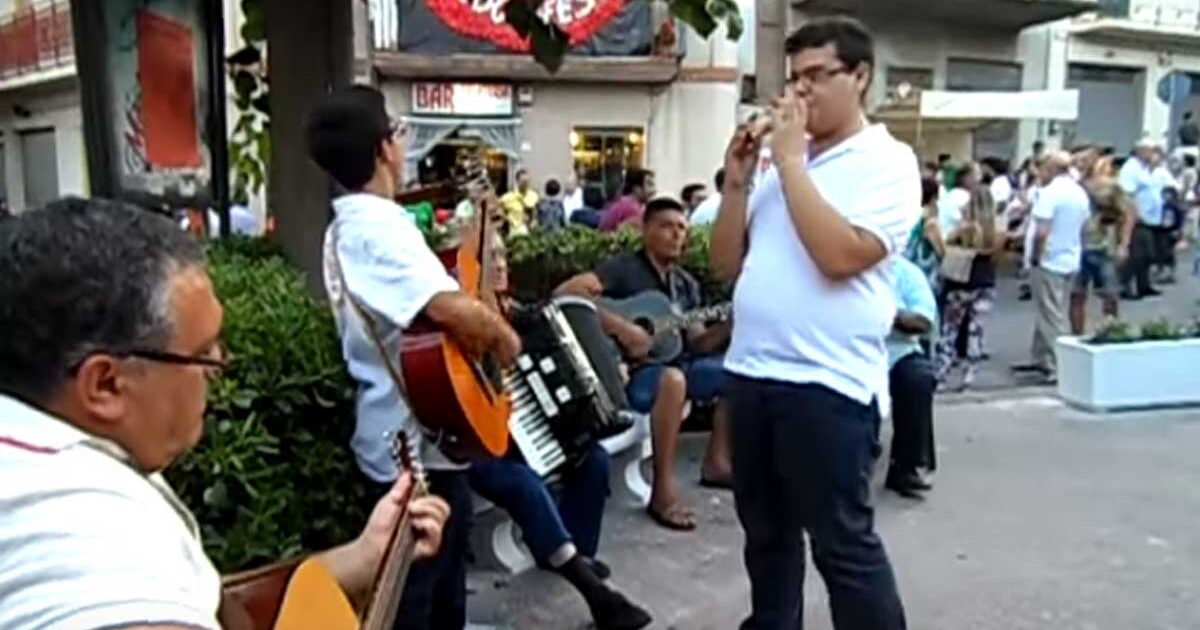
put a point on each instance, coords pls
(444, 162)
(602, 155)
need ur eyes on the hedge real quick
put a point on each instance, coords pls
(540, 261)
(274, 475)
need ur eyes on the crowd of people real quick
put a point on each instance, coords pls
(891, 269)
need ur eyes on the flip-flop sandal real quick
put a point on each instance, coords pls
(715, 485)
(662, 519)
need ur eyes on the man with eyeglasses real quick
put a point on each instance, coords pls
(110, 335)
(376, 257)
(808, 246)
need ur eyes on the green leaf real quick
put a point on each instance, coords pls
(549, 44)
(695, 14)
(521, 16)
(244, 85)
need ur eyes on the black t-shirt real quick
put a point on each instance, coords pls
(631, 273)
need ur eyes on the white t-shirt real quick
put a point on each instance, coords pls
(571, 203)
(87, 541)
(1002, 190)
(1065, 204)
(394, 275)
(793, 323)
(950, 209)
(706, 212)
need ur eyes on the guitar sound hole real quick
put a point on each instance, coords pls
(646, 325)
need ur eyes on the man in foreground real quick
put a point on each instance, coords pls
(111, 334)
(812, 305)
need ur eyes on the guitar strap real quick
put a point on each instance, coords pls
(341, 293)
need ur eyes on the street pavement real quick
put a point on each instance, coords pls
(1042, 516)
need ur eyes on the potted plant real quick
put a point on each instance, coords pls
(1126, 367)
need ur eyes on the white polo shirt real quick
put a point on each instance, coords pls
(792, 323)
(1066, 206)
(393, 274)
(87, 541)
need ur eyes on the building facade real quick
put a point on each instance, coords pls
(43, 154)
(962, 45)
(644, 92)
(1136, 64)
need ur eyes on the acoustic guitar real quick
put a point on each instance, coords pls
(458, 397)
(302, 595)
(662, 320)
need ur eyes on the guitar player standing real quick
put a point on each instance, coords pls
(375, 255)
(663, 390)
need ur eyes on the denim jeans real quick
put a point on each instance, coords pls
(705, 381)
(547, 524)
(802, 461)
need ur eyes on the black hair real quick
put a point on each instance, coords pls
(659, 205)
(80, 276)
(852, 40)
(553, 187)
(943, 158)
(690, 190)
(521, 172)
(719, 179)
(1187, 115)
(635, 178)
(1189, 160)
(345, 132)
(929, 190)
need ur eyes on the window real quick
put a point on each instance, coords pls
(917, 77)
(40, 166)
(602, 155)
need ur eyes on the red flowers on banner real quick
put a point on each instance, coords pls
(484, 19)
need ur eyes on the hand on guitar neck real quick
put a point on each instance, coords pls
(355, 564)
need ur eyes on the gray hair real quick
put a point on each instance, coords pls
(81, 276)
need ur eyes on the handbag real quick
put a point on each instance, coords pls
(957, 264)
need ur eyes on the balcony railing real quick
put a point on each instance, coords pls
(1170, 14)
(36, 38)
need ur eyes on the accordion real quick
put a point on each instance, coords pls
(566, 385)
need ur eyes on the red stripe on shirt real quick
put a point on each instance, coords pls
(25, 446)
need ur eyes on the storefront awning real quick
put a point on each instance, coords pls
(943, 113)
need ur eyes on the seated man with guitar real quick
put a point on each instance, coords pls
(645, 297)
(562, 534)
(382, 278)
(111, 335)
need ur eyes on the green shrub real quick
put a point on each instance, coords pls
(540, 261)
(1114, 330)
(274, 475)
(1161, 330)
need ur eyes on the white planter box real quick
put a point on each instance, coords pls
(1129, 375)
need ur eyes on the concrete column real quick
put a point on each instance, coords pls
(14, 168)
(771, 25)
(310, 43)
(71, 155)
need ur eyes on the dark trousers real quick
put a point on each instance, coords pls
(1164, 246)
(435, 595)
(1141, 256)
(546, 524)
(911, 383)
(802, 464)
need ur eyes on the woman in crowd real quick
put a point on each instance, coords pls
(967, 287)
(925, 246)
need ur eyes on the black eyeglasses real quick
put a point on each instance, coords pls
(219, 363)
(820, 75)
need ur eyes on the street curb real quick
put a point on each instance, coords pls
(974, 397)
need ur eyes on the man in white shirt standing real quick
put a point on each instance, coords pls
(706, 212)
(375, 254)
(1138, 181)
(1059, 215)
(111, 335)
(808, 248)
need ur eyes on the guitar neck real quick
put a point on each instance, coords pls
(381, 611)
(691, 317)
